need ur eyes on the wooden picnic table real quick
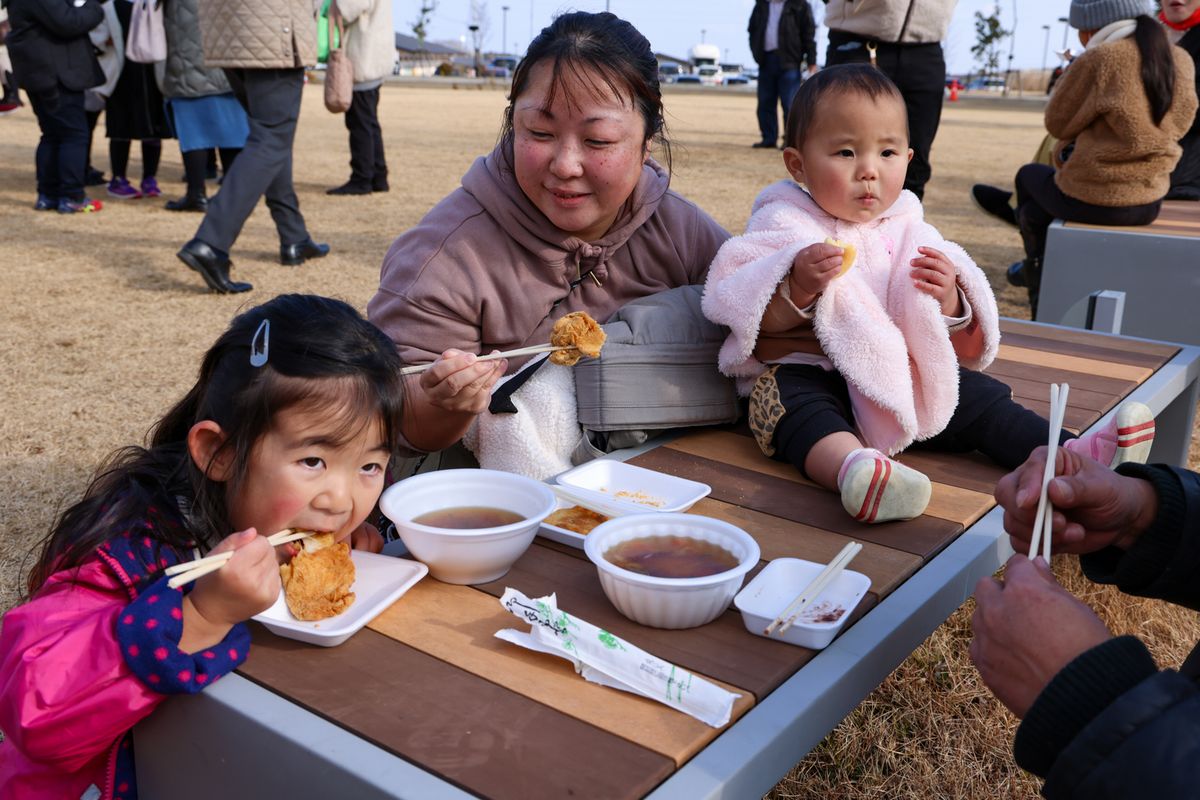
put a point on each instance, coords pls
(426, 702)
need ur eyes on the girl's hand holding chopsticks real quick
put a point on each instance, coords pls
(247, 583)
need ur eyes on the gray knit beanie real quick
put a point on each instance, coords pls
(1092, 15)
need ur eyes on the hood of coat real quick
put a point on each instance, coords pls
(494, 186)
(792, 193)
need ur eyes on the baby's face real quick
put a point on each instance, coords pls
(855, 157)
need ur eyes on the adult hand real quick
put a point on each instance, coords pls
(1027, 628)
(1094, 507)
(933, 273)
(812, 270)
(460, 382)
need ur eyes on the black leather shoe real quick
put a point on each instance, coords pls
(1016, 274)
(187, 203)
(213, 266)
(292, 254)
(994, 201)
(763, 145)
(350, 187)
(379, 186)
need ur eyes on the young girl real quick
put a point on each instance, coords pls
(1118, 114)
(290, 425)
(847, 369)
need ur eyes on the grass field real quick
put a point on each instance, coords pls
(104, 328)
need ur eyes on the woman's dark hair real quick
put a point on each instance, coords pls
(1158, 66)
(839, 79)
(319, 354)
(583, 45)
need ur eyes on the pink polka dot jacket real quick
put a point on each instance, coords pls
(94, 652)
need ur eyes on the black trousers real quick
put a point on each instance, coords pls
(919, 71)
(62, 152)
(368, 167)
(1040, 202)
(271, 98)
(816, 403)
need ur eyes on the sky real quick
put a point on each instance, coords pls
(673, 26)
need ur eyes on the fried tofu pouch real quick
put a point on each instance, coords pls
(317, 581)
(578, 331)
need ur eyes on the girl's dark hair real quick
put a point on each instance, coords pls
(1158, 66)
(320, 354)
(585, 45)
(839, 79)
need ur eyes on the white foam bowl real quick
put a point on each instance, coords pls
(475, 555)
(774, 588)
(670, 602)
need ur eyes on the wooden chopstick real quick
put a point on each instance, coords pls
(191, 570)
(814, 589)
(520, 351)
(1043, 520)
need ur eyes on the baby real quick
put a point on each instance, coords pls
(847, 363)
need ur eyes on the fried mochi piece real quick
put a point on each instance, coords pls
(579, 332)
(316, 582)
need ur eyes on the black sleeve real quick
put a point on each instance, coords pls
(1164, 562)
(63, 18)
(808, 35)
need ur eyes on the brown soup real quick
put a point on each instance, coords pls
(467, 517)
(671, 557)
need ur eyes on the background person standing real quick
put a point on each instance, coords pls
(783, 40)
(371, 48)
(904, 39)
(264, 46)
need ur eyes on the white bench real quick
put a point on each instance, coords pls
(1156, 266)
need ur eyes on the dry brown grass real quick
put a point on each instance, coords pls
(104, 328)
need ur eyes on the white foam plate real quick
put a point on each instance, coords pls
(774, 588)
(635, 488)
(564, 536)
(379, 581)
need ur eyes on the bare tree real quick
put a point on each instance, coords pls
(988, 36)
(481, 23)
(420, 27)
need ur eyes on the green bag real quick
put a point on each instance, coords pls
(323, 34)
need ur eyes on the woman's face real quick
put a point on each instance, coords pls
(579, 158)
(1178, 11)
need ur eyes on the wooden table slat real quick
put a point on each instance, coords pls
(469, 643)
(1051, 336)
(1070, 363)
(473, 733)
(1090, 350)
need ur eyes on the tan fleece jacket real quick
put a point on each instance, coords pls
(1099, 113)
(885, 20)
(486, 270)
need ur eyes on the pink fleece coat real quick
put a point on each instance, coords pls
(887, 339)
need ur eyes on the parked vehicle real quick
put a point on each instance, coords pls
(668, 73)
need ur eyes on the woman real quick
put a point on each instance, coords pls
(204, 111)
(1118, 114)
(1182, 18)
(568, 213)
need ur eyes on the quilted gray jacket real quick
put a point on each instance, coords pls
(259, 34)
(186, 75)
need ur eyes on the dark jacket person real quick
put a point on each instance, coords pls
(783, 41)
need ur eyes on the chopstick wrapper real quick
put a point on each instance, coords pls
(603, 658)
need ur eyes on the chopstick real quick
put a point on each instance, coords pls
(191, 570)
(520, 351)
(813, 590)
(1043, 520)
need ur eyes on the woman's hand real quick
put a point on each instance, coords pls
(1094, 507)
(812, 270)
(460, 382)
(246, 585)
(1027, 628)
(933, 273)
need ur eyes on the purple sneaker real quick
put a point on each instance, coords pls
(120, 188)
(150, 188)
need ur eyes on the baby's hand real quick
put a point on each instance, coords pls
(813, 268)
(933, 273)
(247, 585)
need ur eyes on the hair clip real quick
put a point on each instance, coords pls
(260, 348)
